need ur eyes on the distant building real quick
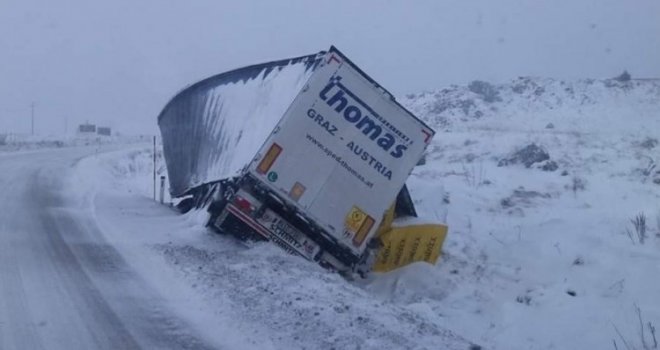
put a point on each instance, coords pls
(86, 129)
(105, 131)
(7, 139)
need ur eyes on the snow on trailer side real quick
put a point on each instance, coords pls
(342, 151)
(213, 128)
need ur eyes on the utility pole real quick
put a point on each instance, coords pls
(154, 167)
(32, 107)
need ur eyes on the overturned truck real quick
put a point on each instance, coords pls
(309, 153)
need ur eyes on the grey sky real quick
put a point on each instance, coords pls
(118, 62)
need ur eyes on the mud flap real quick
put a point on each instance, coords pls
(410, 243)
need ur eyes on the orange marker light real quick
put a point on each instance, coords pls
(297, 191)
(270, 157)
(363, 231)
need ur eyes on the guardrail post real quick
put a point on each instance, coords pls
(154, 168)
(162, 189)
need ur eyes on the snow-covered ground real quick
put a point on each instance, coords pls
(535, 259)
(542, 259)
(11, 142)
(247, 297)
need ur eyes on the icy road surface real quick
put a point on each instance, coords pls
(62, 286)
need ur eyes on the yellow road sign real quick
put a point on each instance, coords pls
(408, 244)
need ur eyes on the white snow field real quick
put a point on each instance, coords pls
(534, 259)
(12, 142)
(542, 259)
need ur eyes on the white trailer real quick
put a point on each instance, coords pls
(309, 153)
(338, 157)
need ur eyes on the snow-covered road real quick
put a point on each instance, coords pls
(62, 286)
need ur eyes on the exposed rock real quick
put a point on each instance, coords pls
(523, 197)
(549, 165)
(527, 156)
(623, 77)
(649, 143)
(486, 90)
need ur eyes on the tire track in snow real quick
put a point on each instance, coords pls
(15, 324)
(63, 286)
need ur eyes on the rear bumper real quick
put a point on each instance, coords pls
(268, 226)
(265, 216)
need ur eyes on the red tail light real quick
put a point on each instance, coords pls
(244, 205)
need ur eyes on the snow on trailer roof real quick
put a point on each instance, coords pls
(212, 128)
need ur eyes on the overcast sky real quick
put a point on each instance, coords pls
(118, 62)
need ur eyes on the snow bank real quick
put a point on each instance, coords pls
(259, 296)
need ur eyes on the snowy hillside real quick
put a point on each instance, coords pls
(545, 179)
(585, 105)
(544, 255)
